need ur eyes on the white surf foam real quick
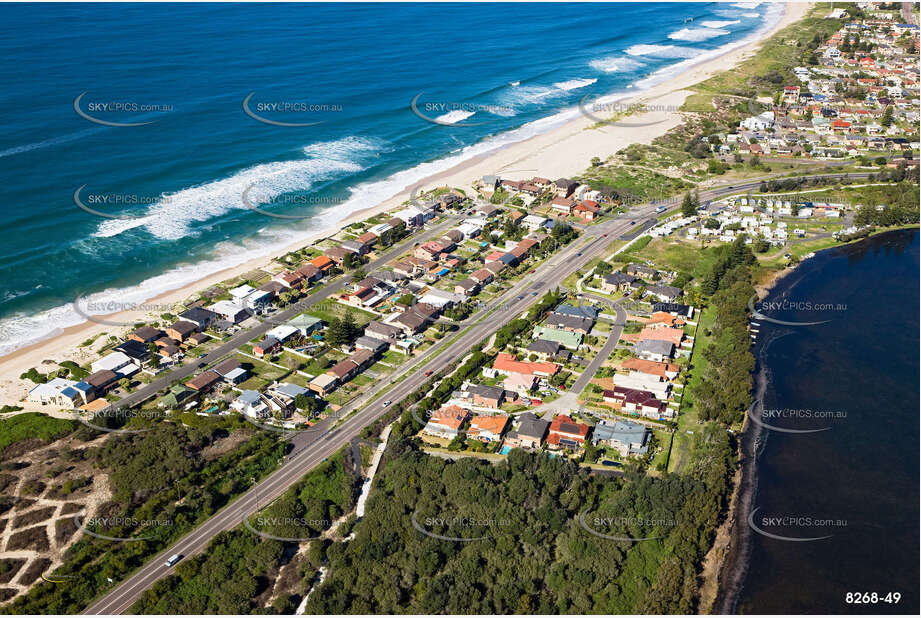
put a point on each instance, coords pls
(575, 84)
(697, 34)
(173, 216)
(615, 64)
(455, 116)
(719, 24)
(662, 51)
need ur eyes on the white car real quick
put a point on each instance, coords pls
(173, 559)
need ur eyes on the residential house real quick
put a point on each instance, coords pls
(335, 256)
(324, 383)
(627, 437)
(204, 381)
(446, 422)
(665, 293)
(231, 371)
(383, 332)
(488, 428)
(564, 187)
(250, 403)
(544, 349)
(201, 318)
(529, 434)
(487, 396)
(146, 334)
(507, 364)
(568, 339)
(467, 287)
(269, 345)
(617, 281)
(567, 433)
(323, 262)
(654, 350)
(665, 371)
(56, 392)
(562, 205)
(229, 311)
(181, 330)
(571, 323)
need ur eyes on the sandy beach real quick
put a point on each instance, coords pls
(564, 151)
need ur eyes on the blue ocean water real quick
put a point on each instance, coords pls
(523, 67)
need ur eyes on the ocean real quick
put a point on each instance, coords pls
(132, 132)
(851, 483)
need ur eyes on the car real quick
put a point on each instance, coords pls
(387, 403)
(173, 560)
(428, 373)
(579, 254)
(532, 271)
(533, 293)
(604, 235)
(633, 223)
(520, 297)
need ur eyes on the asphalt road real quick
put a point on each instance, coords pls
(268, 323)
(311, 448)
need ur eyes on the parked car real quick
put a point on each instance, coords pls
(428, 373)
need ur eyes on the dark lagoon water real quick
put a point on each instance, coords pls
(859, 477)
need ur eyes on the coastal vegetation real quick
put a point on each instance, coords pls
(236, 574)
(536, 557)
(174, 475)
(33, 426)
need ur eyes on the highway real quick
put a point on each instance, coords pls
(311, 448)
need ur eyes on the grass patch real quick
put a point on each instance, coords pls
(33, 425)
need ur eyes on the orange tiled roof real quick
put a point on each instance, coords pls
(507, 362)
(492, 424)
(650, 367)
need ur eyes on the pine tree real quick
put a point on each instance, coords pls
(688, 209)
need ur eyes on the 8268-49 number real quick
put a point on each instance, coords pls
(870, 598)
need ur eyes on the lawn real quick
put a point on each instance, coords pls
(329, 310)
(688, 419)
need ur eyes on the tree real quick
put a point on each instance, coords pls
(689, 205)
(154, 355)
(358, 274)
(886, 120)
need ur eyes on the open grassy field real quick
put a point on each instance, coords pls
(688, 419)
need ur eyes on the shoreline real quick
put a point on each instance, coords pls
(731, 567)
(563, 151)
